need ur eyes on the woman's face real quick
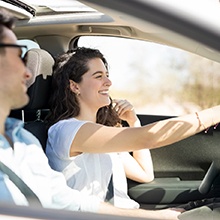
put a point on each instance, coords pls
(95, 84)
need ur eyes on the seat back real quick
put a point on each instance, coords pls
(40, 63)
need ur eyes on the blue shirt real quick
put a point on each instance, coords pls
(29, 162)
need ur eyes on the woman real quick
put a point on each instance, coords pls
(95, 167)
(78, 142)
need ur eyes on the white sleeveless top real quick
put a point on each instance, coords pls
(87, 172)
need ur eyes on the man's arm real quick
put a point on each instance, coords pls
(164, 214)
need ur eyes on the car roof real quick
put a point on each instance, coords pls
(193, 27)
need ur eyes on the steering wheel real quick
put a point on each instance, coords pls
(209, 178)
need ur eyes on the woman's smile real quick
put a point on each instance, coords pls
(104, 92)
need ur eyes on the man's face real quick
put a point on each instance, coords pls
(13, 75)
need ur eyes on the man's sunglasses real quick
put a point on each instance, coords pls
(23, 48)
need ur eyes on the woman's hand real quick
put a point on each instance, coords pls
(126, 112)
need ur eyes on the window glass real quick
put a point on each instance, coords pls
(158, 79)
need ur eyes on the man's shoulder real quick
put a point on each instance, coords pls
(16, 128)
(13, 123)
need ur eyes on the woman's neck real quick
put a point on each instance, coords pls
(87, 116)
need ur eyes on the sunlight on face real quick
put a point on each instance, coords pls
(94, 88)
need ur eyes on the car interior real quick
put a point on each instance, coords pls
(170, 190)
(184, 171)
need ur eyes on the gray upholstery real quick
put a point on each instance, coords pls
(202, 213)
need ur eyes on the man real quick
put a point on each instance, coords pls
(21, 153)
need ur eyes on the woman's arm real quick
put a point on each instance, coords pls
(138, 167)
(96, 138)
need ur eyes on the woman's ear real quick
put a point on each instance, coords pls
(74, 87)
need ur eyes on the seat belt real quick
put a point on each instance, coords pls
(27, 192)
(110, 192)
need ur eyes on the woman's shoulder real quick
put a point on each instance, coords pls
(65, 123)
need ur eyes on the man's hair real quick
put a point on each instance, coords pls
(6, 20)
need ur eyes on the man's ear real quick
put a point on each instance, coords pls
(74, 87)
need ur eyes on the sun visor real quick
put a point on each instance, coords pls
(18, 12)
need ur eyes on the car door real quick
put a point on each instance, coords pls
(184, 171)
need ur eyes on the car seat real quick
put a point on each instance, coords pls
(40, 63)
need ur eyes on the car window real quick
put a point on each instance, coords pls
(158, 79)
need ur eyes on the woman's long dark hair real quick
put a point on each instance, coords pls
(72, 65)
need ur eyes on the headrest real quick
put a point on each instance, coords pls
(40, 63)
